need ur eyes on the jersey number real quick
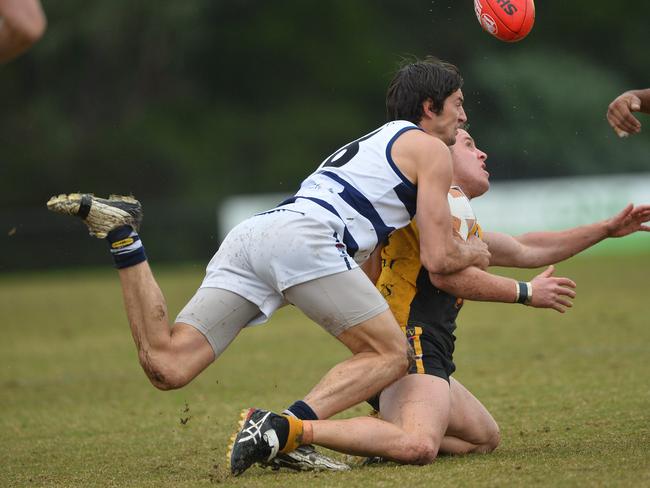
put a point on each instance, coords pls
(346, 153)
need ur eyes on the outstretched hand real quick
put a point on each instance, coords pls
(629, 220)
(619, 114)
(552, 292)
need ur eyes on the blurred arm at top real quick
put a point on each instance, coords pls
(22, 23)
(619, 113)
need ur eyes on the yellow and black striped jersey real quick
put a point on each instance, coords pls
(405, 284)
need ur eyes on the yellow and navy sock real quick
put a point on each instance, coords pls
(126, 247)
(301, 410)
(289, 430)
(294, 434)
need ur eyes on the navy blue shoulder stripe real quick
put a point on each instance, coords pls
(361, 204)
(389, 157)
(348, 240)
(408, 196)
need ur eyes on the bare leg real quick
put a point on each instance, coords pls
(380, 356)
(379, 347)
(471, 427)
(413, 428)
(422, 416)
(360, 320)
(171, 357)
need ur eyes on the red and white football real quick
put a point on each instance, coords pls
(507, 20)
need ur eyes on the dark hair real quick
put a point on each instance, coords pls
(419, 80)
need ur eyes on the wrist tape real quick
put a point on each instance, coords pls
(524, 292)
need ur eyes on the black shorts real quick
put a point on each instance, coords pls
(433, 347)
(430, 330)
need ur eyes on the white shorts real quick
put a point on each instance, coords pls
(270, 252)
(221, 314)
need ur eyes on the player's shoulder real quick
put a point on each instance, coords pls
(420, 138)
(419, 147)
(414, 151)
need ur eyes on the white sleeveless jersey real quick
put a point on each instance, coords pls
(363, 187)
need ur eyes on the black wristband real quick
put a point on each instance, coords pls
(522, 296)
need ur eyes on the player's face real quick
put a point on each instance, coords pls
(450, 119)
(469, 166)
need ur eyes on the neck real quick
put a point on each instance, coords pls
(428, 127)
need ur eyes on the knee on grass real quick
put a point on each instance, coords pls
(491, 441)
(488, 441)
(418, 450)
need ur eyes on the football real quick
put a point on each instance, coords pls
(507, 20)
(462, 215)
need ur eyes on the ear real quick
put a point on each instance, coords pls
(428, 109)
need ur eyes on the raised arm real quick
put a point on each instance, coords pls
(22, 23)
(536, 249)
(619, 112)
(428, 160)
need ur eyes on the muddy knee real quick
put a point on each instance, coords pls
(420, 451)
(164, 373)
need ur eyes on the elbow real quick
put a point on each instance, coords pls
(436, 263)
(444, 283)
(437, 280)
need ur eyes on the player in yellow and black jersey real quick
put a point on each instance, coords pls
(429, 411)
(426, 313)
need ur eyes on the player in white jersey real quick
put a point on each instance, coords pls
(428, 411)
(303, 252)
(352, 202)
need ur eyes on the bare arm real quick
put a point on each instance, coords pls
(475, 284)
(429, 161)
(22, 24)
(543, 248)
(619, 112)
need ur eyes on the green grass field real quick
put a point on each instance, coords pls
(570, 392)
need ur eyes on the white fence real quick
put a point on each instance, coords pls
(519, 206)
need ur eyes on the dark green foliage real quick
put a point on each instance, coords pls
(194, 101)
